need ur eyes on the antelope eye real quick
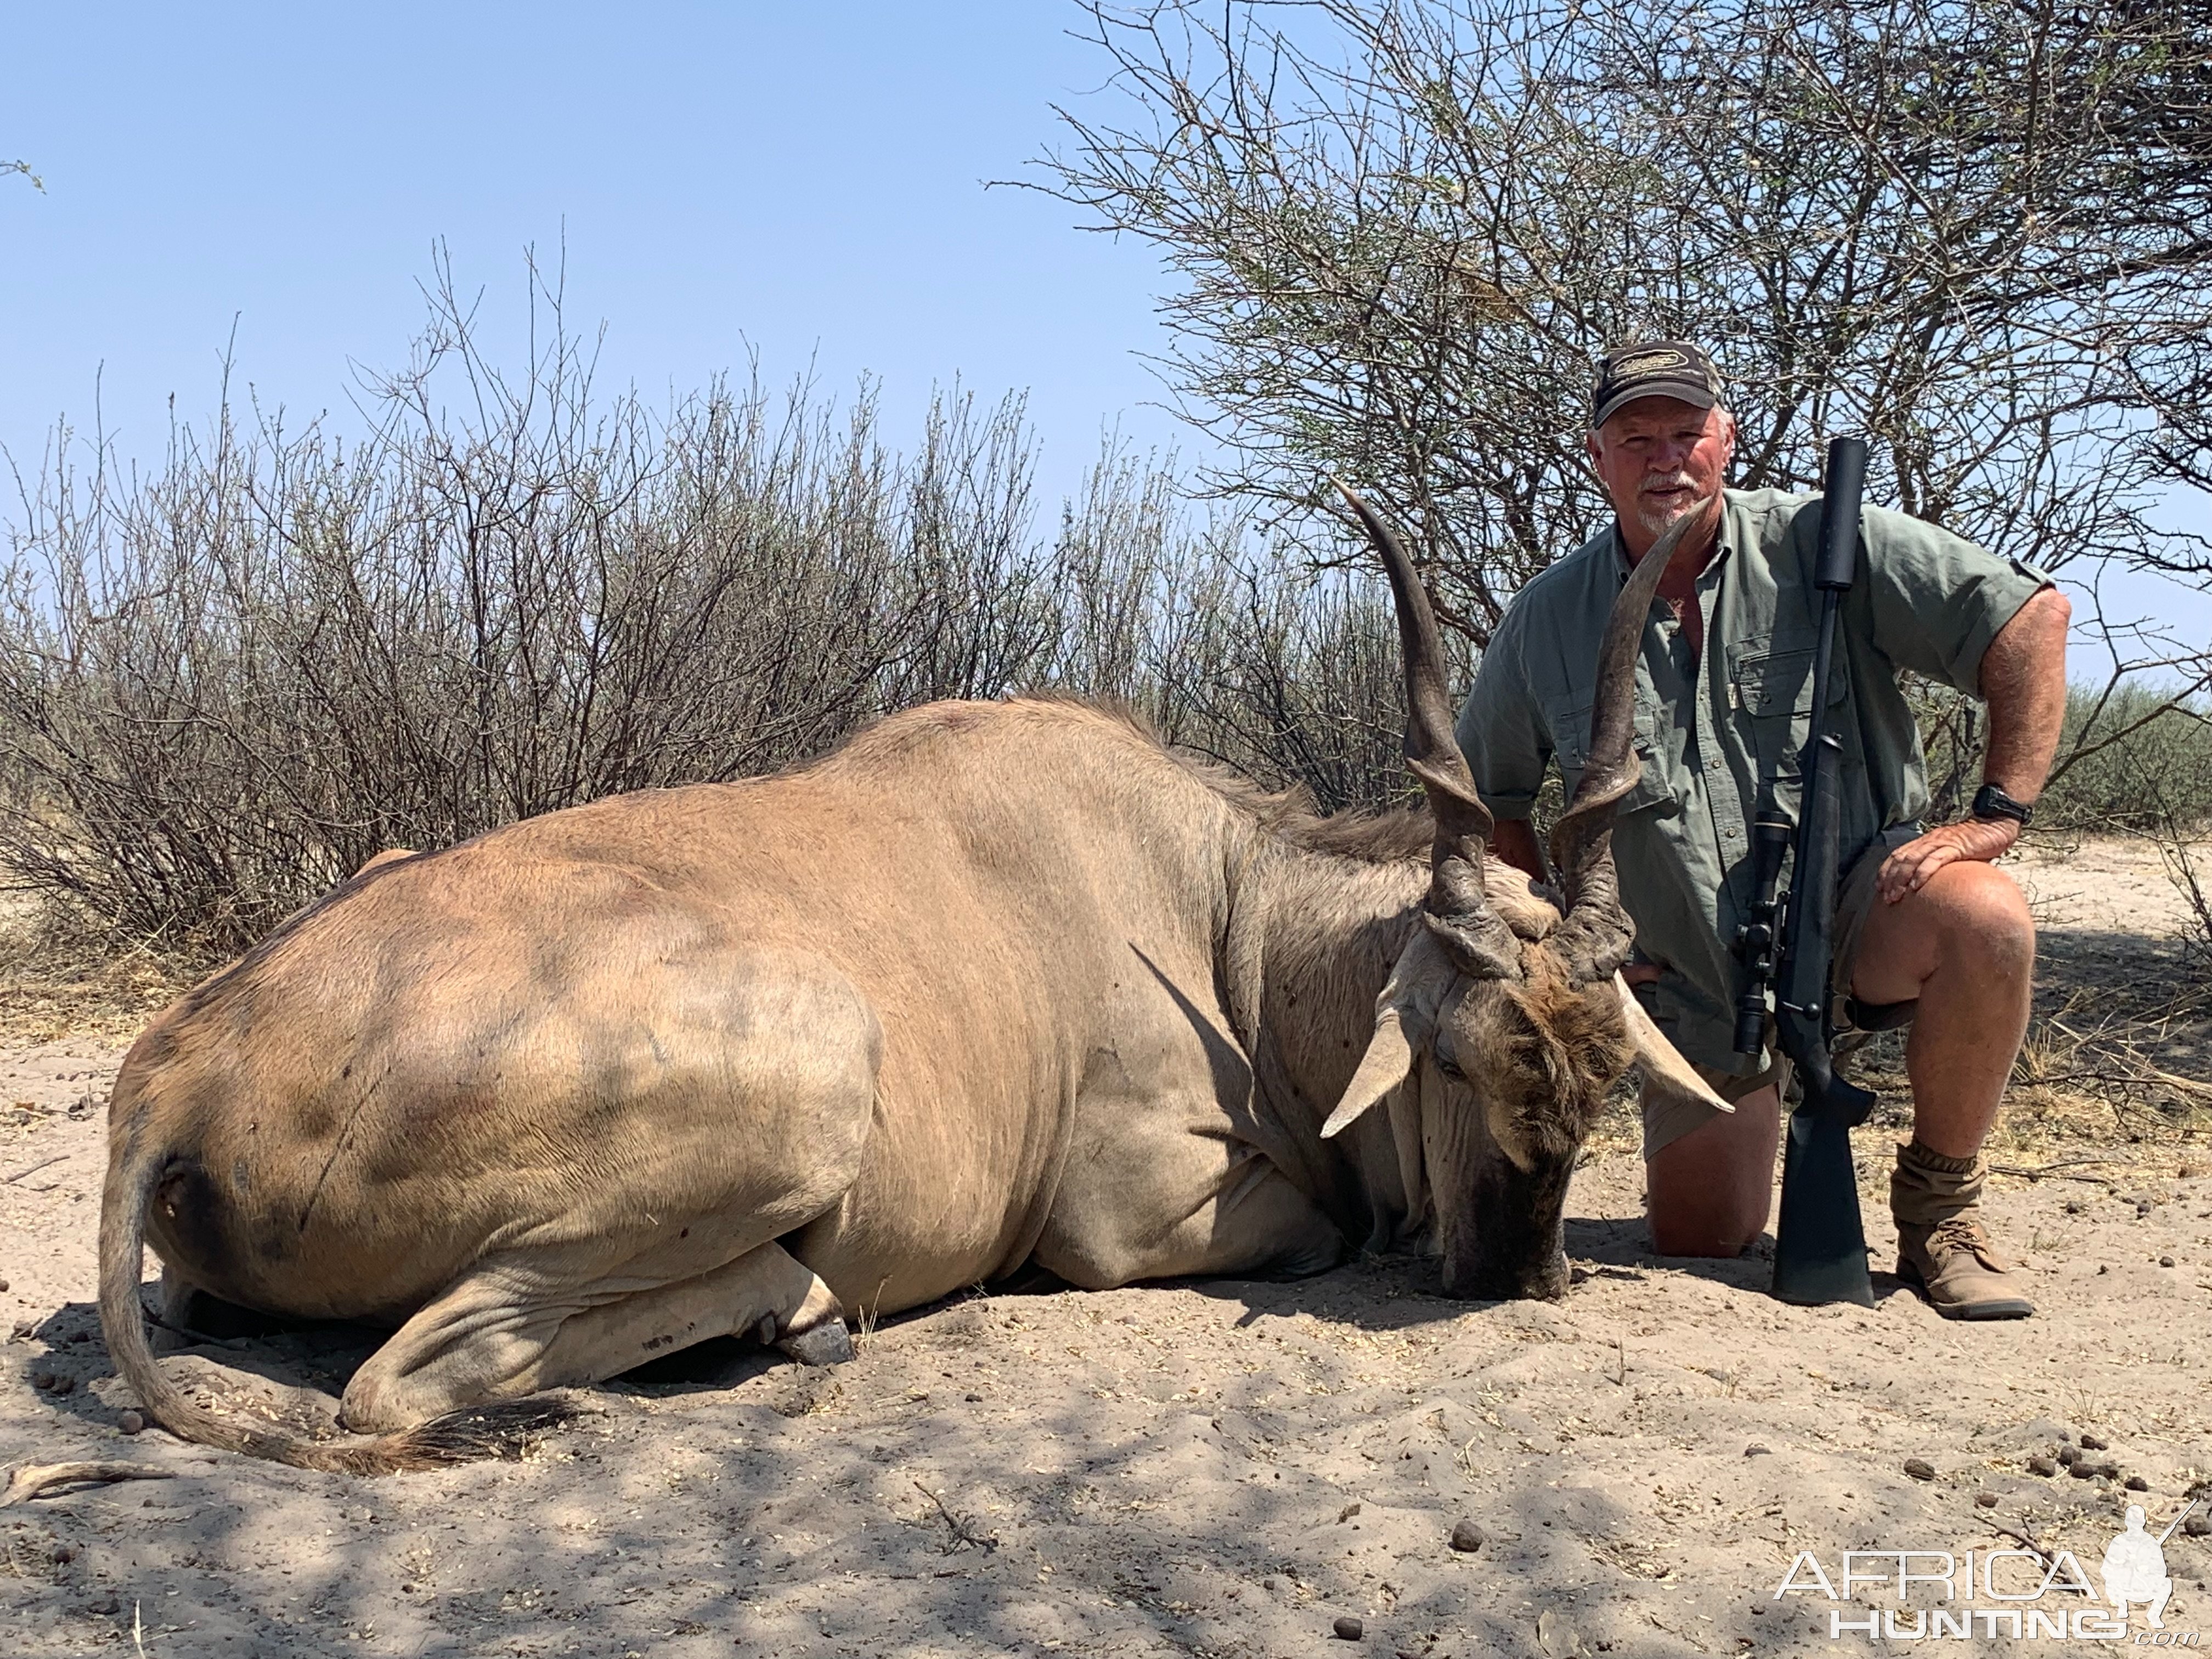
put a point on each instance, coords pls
(1449, 1067)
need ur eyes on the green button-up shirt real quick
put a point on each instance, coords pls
(1721, 736)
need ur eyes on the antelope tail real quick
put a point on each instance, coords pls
(458, 1437)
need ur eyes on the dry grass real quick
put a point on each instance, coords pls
(61, 979)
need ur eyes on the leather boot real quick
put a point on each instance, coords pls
(1942, 1249)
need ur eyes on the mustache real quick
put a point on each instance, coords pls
(1672, 481)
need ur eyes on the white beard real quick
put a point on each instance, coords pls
(1656, 519)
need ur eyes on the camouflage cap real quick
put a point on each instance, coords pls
(1654, 368)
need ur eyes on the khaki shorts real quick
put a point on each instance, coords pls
(1668, 1119)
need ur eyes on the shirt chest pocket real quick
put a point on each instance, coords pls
(1570, 735)
(1771, 687)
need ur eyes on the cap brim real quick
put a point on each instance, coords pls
(1696, 393)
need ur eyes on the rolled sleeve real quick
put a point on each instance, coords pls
(1938, 599)
(1502, 731)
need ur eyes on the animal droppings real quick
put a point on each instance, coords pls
(2166, 1261)
(4, 1283)
(1754, 1449)
(1985, 1500)
(2197, 1526)
(130, 1422)
(2090, 1443)
(1349, 1629)
(2070, 1455)
(2136, 1483)
(1467, 1538)
(1920, 1469)
(2042, 1465)
(64, 1554)
(2081, 1468)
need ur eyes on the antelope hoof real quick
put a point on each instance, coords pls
(827, 1344)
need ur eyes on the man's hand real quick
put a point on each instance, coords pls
(1978, 841)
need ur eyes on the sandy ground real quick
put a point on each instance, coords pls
(1201, 1468)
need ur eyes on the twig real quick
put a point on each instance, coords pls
(192, 1338)
(2036, 1172)
(961, 1532)
(2016, 1532)
(27, 1480)
(2130, 1079)
(33, 1169)
(2189, 1084)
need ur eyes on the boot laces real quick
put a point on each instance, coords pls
(1964, 1232)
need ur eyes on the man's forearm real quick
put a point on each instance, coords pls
(2024, 683)
(1515, 841)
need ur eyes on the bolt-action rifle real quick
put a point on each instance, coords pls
(1819, 1244)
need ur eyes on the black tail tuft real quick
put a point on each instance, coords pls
(507, 1429)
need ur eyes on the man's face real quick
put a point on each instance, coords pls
(1659, 457)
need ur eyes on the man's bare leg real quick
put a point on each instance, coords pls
(1964, 945)
(1711, 1190)
(1964, 942)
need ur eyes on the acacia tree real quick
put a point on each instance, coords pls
(1403, 230)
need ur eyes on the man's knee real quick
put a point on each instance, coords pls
(1711, 1189)
(1980, 908)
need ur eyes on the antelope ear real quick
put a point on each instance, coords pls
(1386, 1064)
(1664, 1068)
(1404, 1015)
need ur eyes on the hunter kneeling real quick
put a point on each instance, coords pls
(1928, 931)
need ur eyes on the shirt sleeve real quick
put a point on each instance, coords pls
(1938, 599)
(1502, 731)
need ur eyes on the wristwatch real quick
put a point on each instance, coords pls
(1992, 802)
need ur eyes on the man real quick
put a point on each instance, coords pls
(1929, 932)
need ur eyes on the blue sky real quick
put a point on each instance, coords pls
(804, 180)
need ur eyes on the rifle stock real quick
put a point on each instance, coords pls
(1820, 1241)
